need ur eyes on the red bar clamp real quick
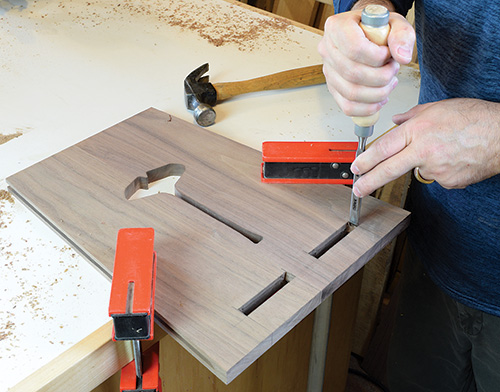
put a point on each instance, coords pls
(150, 381)
(131, 306)
(308, 162)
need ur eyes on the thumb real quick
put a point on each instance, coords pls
(401, 39)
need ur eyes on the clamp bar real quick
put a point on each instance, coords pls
(138, 362)
(131, 303)
(131, 306)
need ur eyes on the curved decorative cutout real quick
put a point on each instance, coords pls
(159, 180)
(163, 180)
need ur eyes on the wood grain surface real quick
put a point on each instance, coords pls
(240, 263)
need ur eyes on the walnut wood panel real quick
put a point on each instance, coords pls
(284, 367)
(225, 243)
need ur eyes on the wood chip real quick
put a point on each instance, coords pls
(6, 138)
(6, 195)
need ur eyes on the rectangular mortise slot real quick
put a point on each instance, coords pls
(255, 238)
(266, 293)
(331, 241)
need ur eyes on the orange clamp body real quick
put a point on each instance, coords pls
(307, 162)
(132, 296)
(151, 381)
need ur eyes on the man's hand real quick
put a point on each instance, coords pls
(360, 74)
(455, 142)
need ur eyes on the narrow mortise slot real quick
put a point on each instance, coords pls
(331, 241)
(266, 293)
(254, 237)
(130, 298)
(337, 150)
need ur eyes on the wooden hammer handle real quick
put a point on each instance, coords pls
(299, 77)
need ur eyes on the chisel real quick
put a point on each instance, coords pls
(375, 24)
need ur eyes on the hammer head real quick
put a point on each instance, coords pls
(200, 96)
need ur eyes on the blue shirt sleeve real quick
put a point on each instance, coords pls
(402, 6)
(342, 5)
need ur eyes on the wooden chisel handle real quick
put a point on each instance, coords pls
(378, 35)
(299, 77)
(375, 24)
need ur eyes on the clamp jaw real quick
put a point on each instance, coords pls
(131, 306)
(294, 162)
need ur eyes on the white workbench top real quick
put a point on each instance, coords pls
(70, 69)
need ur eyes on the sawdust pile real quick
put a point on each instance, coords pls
(222, 25)
(5, 217)
(219, 23)
(19, 264)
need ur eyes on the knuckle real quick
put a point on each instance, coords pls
(380, 94)
(438, 171)
(386, 76)
(407, 33)
(353, 74)
(356, 53)
(346, 106)
(368, 109)
(369, 185)
(352, 107)
(326, 71)
(363, 185)
(376, 56)
(433, 155)
(321, 48)
(356, 109)
(383, 147)
(330, 23)
(389, 171)
(325, 48)
(352, 93)
(450, 183)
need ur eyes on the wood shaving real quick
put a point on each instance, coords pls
(6, 330)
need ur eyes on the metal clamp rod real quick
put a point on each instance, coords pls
(138, 362)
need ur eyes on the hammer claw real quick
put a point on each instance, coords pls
(198, 73)
(198, 90)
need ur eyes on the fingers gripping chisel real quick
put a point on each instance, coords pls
(375, 24)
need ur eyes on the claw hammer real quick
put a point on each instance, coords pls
(375, 24)
(200, 95)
